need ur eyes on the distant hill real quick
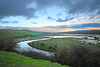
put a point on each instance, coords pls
(17, 33)
(83, 32)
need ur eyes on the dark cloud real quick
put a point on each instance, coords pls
(20, 7)
(50, 27)
(5, 22)
(59, 14)
(81, 6)
(16, 8)
(61, 20)
(76, 26)
(72, 6)
(62, 26)
(92, 17)
(86, 25)
(8, 27)
(94, 5)
(34, 22)
(46, 3)
(14, 22)
(50, 18)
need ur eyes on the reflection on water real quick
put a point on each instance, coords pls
(24, 46)
(91, 41)
(66, 36)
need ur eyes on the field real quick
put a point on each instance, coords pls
(10, 59)
(50, 45)
(17, 33)
(54, 43)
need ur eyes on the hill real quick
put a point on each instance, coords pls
(83, 32)
(10, 59)
(17, 33)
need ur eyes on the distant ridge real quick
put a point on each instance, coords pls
(83, 32)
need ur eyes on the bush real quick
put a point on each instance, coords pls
(78, 56)
(35, 55)
(93, 58)
(62, 55)
(7, 43)
(50, 47)
(42, 44)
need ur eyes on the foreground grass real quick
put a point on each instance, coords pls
(10, 59)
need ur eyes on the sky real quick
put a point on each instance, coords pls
(50, 15)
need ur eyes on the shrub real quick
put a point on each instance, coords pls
(7, 43)
(62, 55)
(35, 55)
(50, 47)
(42, 44)
(78, 56)
(93, 58)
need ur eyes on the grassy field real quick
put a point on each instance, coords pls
(50, 44)
(10, 59)
(55, 42)
(17, 33)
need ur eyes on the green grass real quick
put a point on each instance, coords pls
(10, 59)
(58, 42)
(17, 33)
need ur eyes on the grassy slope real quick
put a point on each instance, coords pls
(17, 33)
(10, 59)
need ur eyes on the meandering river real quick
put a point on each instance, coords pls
(24, 46)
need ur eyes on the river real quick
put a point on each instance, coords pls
(24, 46)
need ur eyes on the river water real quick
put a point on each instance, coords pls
(67, 36)
(24, 46)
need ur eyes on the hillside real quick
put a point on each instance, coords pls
(82, 32)
(17, 33)
(10, 59)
